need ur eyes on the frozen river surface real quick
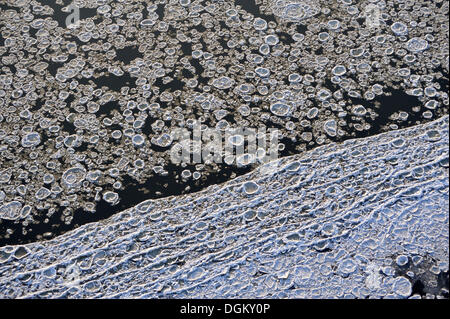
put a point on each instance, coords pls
(366, 218)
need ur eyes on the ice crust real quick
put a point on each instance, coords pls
(329, 223)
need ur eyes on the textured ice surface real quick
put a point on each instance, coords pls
(366, 218)
(295, 10)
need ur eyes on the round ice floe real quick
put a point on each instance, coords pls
(357, 52)
(110, 197)
(399, 28)
(427, 114)
(5, 176)
(271, 39)
(330, 127)
(433, 135)
(260, 154)
(147, 22)
(85, 36)
(359, 110)
(401, 260)
(260, 24)
(430, 91)
(185, 3)
(417, 45)
(262, 72)
(25, 211)
(138, 140)
(245, 159)
(42, 193)
(236, 140)
(164, 140)
(104, 9)
(399, 142)
(224, 82)
(280, 109)
(11, 210)
(196, 175)
(295, 10)
(334, 24)
(307, 136)
(197, 54)
(339, 70)
(31, 139)
(244, 110)
(250, 188)
(74, 175)
(323, 94)
(312, 113)
(185, 174)
(38, 23)
(48, 179)
(402, 286)
(264, 49)
(294, 78)
(249, 215)
(94, 176)
(324, 36)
